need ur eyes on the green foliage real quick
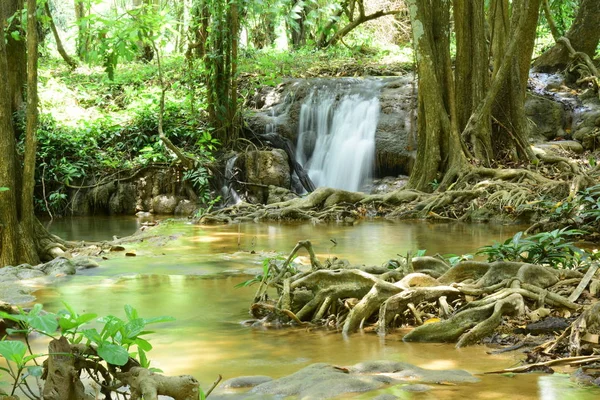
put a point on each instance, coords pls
(125, 35)
(3, 189)
(113, 342)
(548, 248)
(268, 265)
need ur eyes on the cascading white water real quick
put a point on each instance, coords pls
(230, 195)
(336, 138)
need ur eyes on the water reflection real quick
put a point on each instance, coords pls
(192, 279)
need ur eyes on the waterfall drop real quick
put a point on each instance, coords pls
(336, 134)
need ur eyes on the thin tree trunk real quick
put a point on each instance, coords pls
(59, 46)
(26, 202)
(82, 36)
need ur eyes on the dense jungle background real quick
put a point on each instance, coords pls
(245, 116)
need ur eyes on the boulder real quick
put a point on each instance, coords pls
(549, 118)
(58, 266)
(164, 204)
(268, 168)
(83, 262)
(185, 208)
(246, 381)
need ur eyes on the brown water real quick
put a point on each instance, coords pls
(192, 279)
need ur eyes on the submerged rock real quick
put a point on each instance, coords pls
(318, 381)
(58, 267)
(246, 381)
(14, 292)
(325, 381)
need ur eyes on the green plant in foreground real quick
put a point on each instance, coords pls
(112, 343)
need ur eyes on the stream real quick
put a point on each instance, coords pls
(192, 278)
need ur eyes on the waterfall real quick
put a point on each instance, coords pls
(230, 195)
(336, 134)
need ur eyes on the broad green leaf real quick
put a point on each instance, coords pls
(43, 323)
(12, 317)
(85, 318)
(134, 327)
(113, 353)
(13, 350)
(92, 335)
(143, 344)
(143, 359)
(131, 312)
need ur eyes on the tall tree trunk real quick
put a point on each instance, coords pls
(28, 249)
(439, 151)
(9, 232)
(584, 35)
(472, 76)
(510, 130)
(15, 52)
(22, 237)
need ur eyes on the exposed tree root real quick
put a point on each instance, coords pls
(506, 192)
(463, 304)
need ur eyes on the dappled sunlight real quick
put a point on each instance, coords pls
(205, 239)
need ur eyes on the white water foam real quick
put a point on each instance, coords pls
(336, 138)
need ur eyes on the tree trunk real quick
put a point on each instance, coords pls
(472, 76)
(22, 237)
(15, 52)
(439, 151)
(510, 131)
(298, 30)
(82, 35)
(59, 46)
(9, 232)
(584, 35)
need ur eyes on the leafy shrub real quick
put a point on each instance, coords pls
(113, 342)
(548, 248)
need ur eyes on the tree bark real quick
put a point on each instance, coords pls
(472, 76)
(583, 34)
(510, 130)
(9, 234)
(439, 151)
(15, 52)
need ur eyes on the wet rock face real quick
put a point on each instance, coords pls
(395, 138)
(549, 118)
(159, 191)
(265, 171)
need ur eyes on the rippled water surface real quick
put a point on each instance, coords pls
(192, 278)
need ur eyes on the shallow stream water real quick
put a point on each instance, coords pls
(192, 278)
